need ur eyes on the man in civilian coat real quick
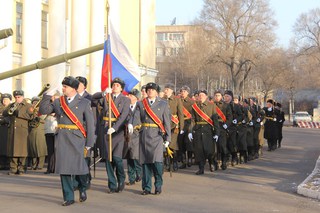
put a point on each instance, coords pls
(71, 142)
(152, 137)
(115, 169)
(18, 114)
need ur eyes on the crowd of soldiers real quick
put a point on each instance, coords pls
(154, 130)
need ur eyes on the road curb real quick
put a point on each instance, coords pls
(310, 187)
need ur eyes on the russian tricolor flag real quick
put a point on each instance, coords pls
(118, 61)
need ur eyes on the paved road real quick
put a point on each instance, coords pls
(264, 185)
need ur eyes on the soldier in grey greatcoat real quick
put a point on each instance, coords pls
(71, 143)
(37, 147)
(152, 137)
(131, 150)
(115, 169)
(18, 114)
(5, 101)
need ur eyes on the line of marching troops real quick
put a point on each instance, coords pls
(154, 130)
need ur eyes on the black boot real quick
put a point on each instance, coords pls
(183, 161)
(201, 168)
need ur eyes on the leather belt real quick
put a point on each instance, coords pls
(269, 118)
(149, 125)
(67, 126)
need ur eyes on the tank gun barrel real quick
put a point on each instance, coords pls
(50, 61)
(5, 33)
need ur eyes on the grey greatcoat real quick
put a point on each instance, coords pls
(18, 129)
(70, 144)
(151, 138)
(131, 147)
(122, 103)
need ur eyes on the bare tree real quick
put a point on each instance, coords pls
(241, 32)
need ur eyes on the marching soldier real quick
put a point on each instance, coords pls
(152, 113)
(185, 145)
(177, 120)
(242, 120)
(5, 101)
(119, 113)
(18, 114)
(37, 147)
(225, 119)
(131, 152)
(204, 130)
(280, 122)
(74, 137)
(270, 126)
(232, 129)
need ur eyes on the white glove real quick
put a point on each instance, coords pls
(280, 121)
(243, 121)
(274, 119)
(53, 90)
(130, 128)
(225, 126)
(190, 136)
(107, 91)
(110, 131)
(181, 132)
(270, 109)
(88, 148)
(258, 120)
(250, 123)
(166, 144)
(261, 123)
(216, 137)
(234, 121)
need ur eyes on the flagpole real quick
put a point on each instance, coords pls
(109, 94)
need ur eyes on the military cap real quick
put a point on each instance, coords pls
(270, 101)
(196, 92)
(228, 92)
(6, 95)
(279, 105)
(152, 85)
(169, 86)
(217, 91)
(35, 98)
(246, 101)
(203, 91)
(18, 92)
(83, 80)
(136, 93)
(237, 97)
(71, 82)
(186, 88)
(253, 99)
(119, 81)
(143, 87)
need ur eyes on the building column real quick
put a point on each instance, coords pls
(96, 37)
(79, 35)
(56, 41)
(6, 10)
(31, 46)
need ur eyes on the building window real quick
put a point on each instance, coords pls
(19, 22)
(162, 36)
(168, 51)
(44, 30)
(176, 36)
(159, 51)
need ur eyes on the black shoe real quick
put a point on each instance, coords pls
(211, 167)
(183, 166)
(121, 187)
(224, 166)
(145, 192)
(189, 162)
(200, 172)
(158, 191)
(138, 178)
(83, 196)
(111, 191)
(130, 183)
(175, 166)
(279, 146)
(68, 203)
